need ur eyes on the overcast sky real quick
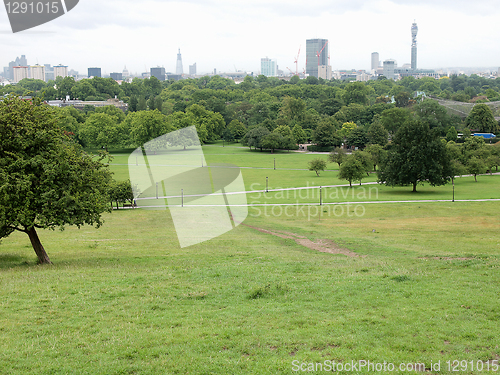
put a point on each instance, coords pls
(234, 35)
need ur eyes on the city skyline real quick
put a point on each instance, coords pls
(219, 34)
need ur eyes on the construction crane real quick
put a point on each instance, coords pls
(296, 61)
(319, 53)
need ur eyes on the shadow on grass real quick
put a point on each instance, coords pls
(8, 261)
(409, 193)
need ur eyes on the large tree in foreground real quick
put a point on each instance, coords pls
(417, 156)
(46, 179)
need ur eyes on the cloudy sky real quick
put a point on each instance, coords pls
(233, 35)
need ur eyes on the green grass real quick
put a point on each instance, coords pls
(126, 299)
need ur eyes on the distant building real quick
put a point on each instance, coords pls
(325, 72)
(268, 67)
(20, 72)
(94, 72)
(192, 69)
(175, 77)
(158, 72)
(178, 66)
(389, 67)
(125, 72)
(19, 61)
(60, 71)
(116, 76)
(414, 31)
(316, 55)
(80, 104)
(38, 72)
(375, 61)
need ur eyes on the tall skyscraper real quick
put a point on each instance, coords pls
(316, 55)
(268, 67)
(375, 60)
(178, 66)
(60, 71)
(414, 31)
(94, 72)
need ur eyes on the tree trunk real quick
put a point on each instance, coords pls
(414, 187)
(43, 258)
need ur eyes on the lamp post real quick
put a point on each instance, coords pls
(453, 183)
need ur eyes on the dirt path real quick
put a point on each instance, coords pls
(324, 246)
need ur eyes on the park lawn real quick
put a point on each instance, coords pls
(126, 299)
(257, 168)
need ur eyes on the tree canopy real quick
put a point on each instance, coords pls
(417, 156)
(46, 179)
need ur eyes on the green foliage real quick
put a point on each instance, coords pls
(433, 114)
(237, 129)
(347, 128)
(481, 118)
(377, 154)
(46, 180)
(102, 130)
(272, 141)
(394, 118)
(357, 138)
(338, 155)
(317, 165)
(253, 138)
(377, 134)
(121, 192)
(417, 156)
(299, 134)
(326, 135)
(352, 169)
(144, 126)
(451, 134)
(475, 166)
(356, 92)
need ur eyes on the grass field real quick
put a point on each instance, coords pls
(126, 299)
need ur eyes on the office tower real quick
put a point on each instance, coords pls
(94, 72)
(389, 67)
(268, 67)
(178, 66)
(116, 76)
(192, 69)
(20, 72)
(158, 72)
(60, 71)
(38, 72)
(316, 55)
(414, 31)
(375, 60)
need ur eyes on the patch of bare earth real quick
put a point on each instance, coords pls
(445, 258)
(324, 246)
